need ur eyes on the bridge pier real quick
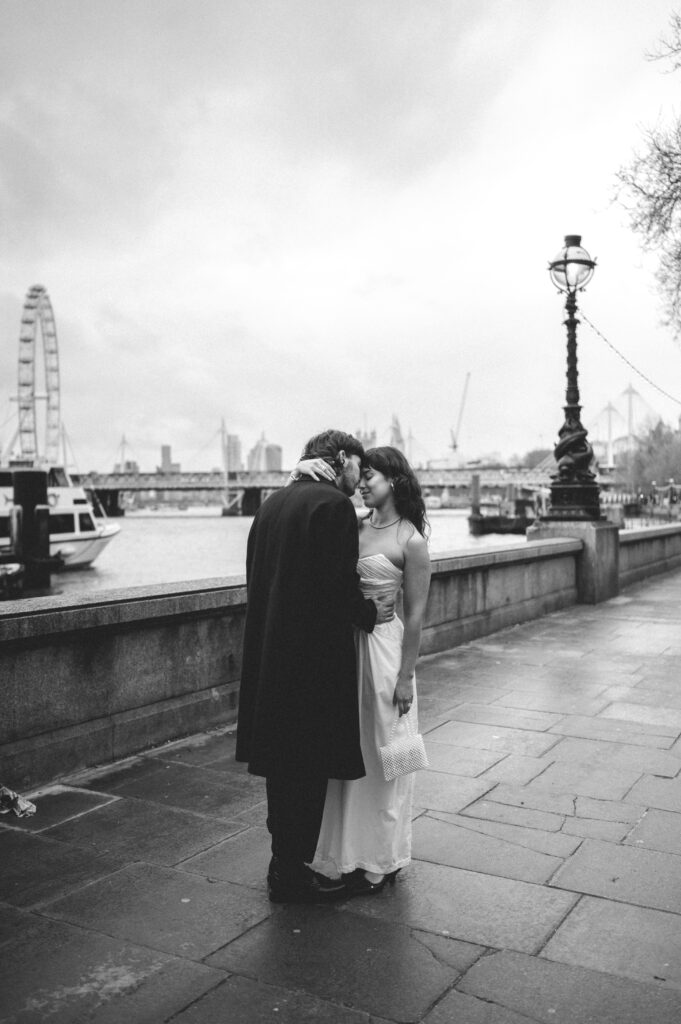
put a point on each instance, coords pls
(110, 502)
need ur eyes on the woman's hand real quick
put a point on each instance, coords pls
(403, 696)
(315, 468)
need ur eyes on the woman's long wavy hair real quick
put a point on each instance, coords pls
(409, 501)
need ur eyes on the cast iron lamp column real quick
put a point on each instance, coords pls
(574, 491)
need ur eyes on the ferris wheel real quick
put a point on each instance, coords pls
(38, 310)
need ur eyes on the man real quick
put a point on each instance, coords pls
(298, 715)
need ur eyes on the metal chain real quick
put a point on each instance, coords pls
(624, 359)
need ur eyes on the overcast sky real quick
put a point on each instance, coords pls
(296, 214)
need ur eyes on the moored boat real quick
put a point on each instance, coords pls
(77, 535)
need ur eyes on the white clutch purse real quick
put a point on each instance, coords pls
(403, 754)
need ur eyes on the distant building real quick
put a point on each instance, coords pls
(167, 464)
(129, 466)
(265, 457)
(367, 437)
(396, 438)
(233, 453)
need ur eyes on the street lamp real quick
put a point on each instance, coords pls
(574, 491)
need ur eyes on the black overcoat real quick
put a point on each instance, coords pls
(298, 709)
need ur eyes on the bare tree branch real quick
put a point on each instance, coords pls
(649, 188)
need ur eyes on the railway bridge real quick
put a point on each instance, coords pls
(242, 493)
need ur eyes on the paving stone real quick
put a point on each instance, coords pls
(616, 730)
(447, 792)
(458, 1007)
(602, 754)
(554, 993)
(107, 779)
(517, 769)
(244, 859)
(662, 793)
(256, 815)
(35, 869)
(195, 789)
(470, 906)
(446, 843)
(318, 949)
(657, 830)
(559, 704)
(555, 844)
(206, 748)
(559, 681)
(535, 797)
(170, 910)
(57, 804)
(444, 757)
(591, 828)
(513, 815)
(586, 780)
(65, 975)
(137, 830)
(242, 1000)
(608, 810)
(644, 877)
(618, 938)
(492, 737)
(499, 714)
(644, 691)
(656, 715)
(14, 922)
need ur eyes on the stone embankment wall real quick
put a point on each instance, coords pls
(118, 672)
(648, 551)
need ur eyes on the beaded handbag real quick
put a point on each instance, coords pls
(404, 754)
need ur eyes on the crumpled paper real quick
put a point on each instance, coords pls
(11, 801)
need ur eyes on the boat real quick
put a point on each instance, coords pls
(497, 517)
(78, 534)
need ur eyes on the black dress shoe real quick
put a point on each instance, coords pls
(311, 889)
(358, 884)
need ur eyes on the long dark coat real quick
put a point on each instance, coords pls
(298, 710)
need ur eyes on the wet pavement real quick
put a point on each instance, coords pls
(545, 885)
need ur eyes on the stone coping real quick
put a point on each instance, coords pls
(649, 533)
(34, 617)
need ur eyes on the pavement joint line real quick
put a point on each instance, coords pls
(511, 842)
(192, 1002)
(542, 945)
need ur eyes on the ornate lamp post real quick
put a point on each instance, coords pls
(574, 491)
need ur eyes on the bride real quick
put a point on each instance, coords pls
(366, 828)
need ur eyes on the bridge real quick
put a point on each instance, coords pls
(244, 492)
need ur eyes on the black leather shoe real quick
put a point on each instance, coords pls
(359, 885)
(312, 889)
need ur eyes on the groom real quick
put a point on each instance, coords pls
(298, 715)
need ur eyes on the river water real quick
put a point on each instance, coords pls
(198, 544)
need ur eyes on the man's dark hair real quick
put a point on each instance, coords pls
(329, 443)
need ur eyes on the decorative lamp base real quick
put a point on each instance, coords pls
(574, 501)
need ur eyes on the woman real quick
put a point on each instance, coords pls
(366, 829)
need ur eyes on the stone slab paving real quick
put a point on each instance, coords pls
(544, 887)
(63, 974)
(627, 873)
(657, 830)
(318, 950)
(555, 993)
(621, 939)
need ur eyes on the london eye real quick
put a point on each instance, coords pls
(38, 311)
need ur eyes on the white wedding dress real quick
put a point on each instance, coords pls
(367, 822)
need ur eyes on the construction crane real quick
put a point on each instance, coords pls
(455, 433)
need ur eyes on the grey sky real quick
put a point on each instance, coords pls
(302, 213)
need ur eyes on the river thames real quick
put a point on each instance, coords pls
(172, 547)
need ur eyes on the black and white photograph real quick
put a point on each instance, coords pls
(340, 511)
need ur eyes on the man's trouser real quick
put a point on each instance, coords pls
(295, 805)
